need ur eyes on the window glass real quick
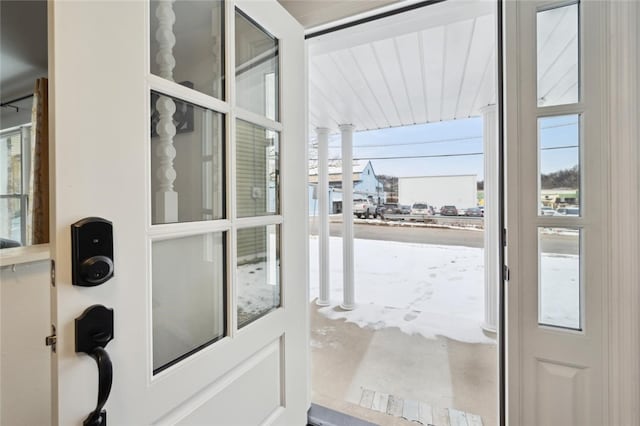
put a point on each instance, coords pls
(12, 200)
(188, 296)
(187, 44)
(558, 56)
(258, 272)
(559, 277)
(256, 68)
(559, 165)
(257, 170)
(187, 161)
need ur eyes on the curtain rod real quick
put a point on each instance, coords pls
(16, 100)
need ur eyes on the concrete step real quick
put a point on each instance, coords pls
(416, 411)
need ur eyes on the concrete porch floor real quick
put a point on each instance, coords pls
(441, 372)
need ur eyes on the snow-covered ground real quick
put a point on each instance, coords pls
(433, 290)
(420, 288)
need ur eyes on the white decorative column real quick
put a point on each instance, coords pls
(323, 215)
(491, 216)
(166, 208)
(348, 298)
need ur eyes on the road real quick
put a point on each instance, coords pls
(560, 244)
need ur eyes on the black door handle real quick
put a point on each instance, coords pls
(94, 330)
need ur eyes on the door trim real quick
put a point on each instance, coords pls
(624, 200)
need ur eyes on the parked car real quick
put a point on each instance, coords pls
(363, 207)
(420, 208)
(474, 212)
(568, 211)
(462, 211)
(449, 211)
(404, 209)
(392, 208)
(547, 211)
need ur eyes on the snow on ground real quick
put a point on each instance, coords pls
(420, 288)
(432, 290)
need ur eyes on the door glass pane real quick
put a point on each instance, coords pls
(188, 296)
(559, 277)
(257, 170)
(256, 68)
(187, 44)
(559, 165)
(558, 43)
(258, 272)
(187, 161)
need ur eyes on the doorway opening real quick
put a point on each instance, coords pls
(420, 91)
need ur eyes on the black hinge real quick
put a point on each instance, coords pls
(504, 237)
(52, 339)
(505, 272)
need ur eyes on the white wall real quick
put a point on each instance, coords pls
(460, 191)
(25, 371)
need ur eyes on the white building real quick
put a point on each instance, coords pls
(457, 190)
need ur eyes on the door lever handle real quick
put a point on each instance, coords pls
(98, 417)
(94, 330)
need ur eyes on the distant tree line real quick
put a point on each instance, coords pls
(567, 178)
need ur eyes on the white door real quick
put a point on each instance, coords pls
(182, 123)
(556, 213)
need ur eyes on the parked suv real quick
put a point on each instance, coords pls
(363, 207)
(392, 208)
(448, 211)
(420, 208)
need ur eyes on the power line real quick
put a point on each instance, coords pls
(464, 154)
(470, 138)
(435, 141)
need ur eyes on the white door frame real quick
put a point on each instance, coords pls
(620, 40)
(624, 197)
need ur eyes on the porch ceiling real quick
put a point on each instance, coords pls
(435, 63)
(432, 64)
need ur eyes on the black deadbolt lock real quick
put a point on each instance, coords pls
(92, 246)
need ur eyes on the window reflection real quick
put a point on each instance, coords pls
(258, 272)
(188, 301)
(558, 56)
(256, 68)
(187, 44)
(257, 152)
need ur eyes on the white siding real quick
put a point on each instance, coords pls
(438, 191)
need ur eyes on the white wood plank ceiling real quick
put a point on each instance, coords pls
(435, 63)
(431, 64)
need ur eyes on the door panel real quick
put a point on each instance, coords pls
(556, 157)
(165, 175)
